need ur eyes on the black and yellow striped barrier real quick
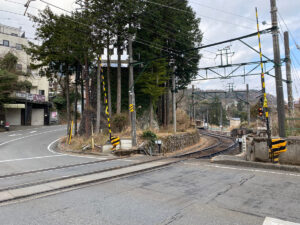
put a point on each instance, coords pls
(131, 108)
(115, 141)
(277, 146)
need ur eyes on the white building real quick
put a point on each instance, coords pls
(30, 107)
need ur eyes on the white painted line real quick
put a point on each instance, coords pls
(31, 132)
(6, 142)
(252, 170)
(22, 159)
(63, 154)
(273, 221)
(13, 135)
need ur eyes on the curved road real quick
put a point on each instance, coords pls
(26, 150)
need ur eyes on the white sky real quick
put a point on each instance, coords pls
(220, 20)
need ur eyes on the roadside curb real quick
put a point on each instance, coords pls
(235, 161)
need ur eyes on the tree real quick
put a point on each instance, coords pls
(170, 34)
(61, 50)
(9, 78)
(151, 83)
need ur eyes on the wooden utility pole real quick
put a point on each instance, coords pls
(131, 93)
(174, 98)
(248, 104)
(288, 74)
(278, 73)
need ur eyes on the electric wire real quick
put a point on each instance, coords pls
(208, 17)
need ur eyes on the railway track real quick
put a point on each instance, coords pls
(221, 145)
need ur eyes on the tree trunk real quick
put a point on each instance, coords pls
(98, 97)
(108, 77)
(87, 100)
(67, 81)
(151, 113)
(75, 104)
(119, 79)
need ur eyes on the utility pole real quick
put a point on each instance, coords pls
(131, 93)
(278, 74)
(221, 116)
(221, 55)
(174, 97)
(248, 104)
(288, 73)
(193, 102)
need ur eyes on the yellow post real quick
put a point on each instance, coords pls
(70, 137)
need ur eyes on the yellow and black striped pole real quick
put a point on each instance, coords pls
(265, 101)
(105, 101)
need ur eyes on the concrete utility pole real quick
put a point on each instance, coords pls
(131, 93)
(288, 74)
(174, 98)
(278, 74)
(193, 102)
(221, 116)
(248, 104)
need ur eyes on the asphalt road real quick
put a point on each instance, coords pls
(191, 192)
(26, 150)
(194, 192)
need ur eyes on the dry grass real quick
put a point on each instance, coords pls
(78, 142)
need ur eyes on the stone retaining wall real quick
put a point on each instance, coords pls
(179, 141)
(257, 151)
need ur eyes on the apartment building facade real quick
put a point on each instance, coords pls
(29, 107)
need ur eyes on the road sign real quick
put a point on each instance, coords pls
(131, 108)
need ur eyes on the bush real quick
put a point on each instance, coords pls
(119, 122)
(149, 135)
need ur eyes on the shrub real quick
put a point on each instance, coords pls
(119, 122)
(149, 135)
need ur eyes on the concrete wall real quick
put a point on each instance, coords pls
(257, 150)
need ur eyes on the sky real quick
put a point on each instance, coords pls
(220, 20)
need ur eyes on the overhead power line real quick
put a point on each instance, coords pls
(289, 31)
(223, 11)
(208, 17)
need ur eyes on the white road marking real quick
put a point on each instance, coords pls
(13, 135)
(22, 159)
(31, 132)
(6, 142)
(273, 221)
(251, 170)
(63, 154)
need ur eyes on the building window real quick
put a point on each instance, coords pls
(19, 67)
(18, 47)
(41, 92)
(6, 43)
(14, 34)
